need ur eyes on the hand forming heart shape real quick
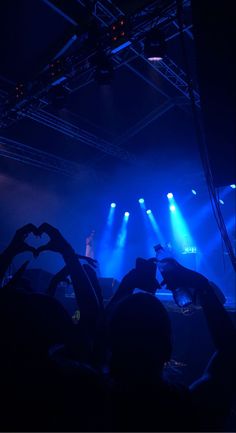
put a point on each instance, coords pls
(56, 241)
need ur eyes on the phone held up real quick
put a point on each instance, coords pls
(182, 296)
(146, 272)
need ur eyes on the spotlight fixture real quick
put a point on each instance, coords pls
(149, 211)
(56, 72)
(113, 205)
(194, 192)
(154, 45)
(221, 201)
(141, 200)
(233, 186)
(169, 195)
(126, 214)
(19, 91)
(172, 208)
(119, 35)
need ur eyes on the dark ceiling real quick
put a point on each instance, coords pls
(143, 118)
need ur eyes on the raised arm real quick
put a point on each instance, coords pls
(16, 246)
(212, 393)
(85, 295)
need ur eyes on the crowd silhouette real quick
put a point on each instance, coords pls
(106, 371)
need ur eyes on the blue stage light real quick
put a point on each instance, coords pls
(233, 185)
(149, 211)
(113, 204)
(172, 208)
(194, 192)
(141, 200)
(221, 201)
(169, 195)
(126, 214)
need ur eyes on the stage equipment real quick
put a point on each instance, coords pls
(154, 45)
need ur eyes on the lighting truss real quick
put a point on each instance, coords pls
(139, 126)
(67, 128)
(172, 73)
(37, 158)
(82, 72)
(167, 68)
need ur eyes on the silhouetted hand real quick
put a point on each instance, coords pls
(176, 275)
(57, 242)
(140, 279)
(89, 260)
(18, 244)
(18, 275)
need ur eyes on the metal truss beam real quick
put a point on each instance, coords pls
(37, 158)
(143, 123)
(167, 68)
(172, 73)
(60, 12)
(81, 135)
(106, 12)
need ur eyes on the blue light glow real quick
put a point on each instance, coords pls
(155, 227)
(194, 192)
(155, 59)
(115, 261)
(148, 211)
(141, 200)
(170, 195)
(221, 201)
(104, 250)
(58, 81)
(121, 47)
(233, 186)
(181, 233)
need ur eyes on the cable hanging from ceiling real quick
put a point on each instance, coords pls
(201, 140)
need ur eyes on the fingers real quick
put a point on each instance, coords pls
(29, 248)
(27, 229)
(46, 228)
(153, 260)
(42, 248)
(92, 262)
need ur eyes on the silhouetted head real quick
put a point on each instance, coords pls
(29, 325)
(140, 337)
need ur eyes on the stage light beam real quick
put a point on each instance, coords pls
(181, 233)
(156, 229)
